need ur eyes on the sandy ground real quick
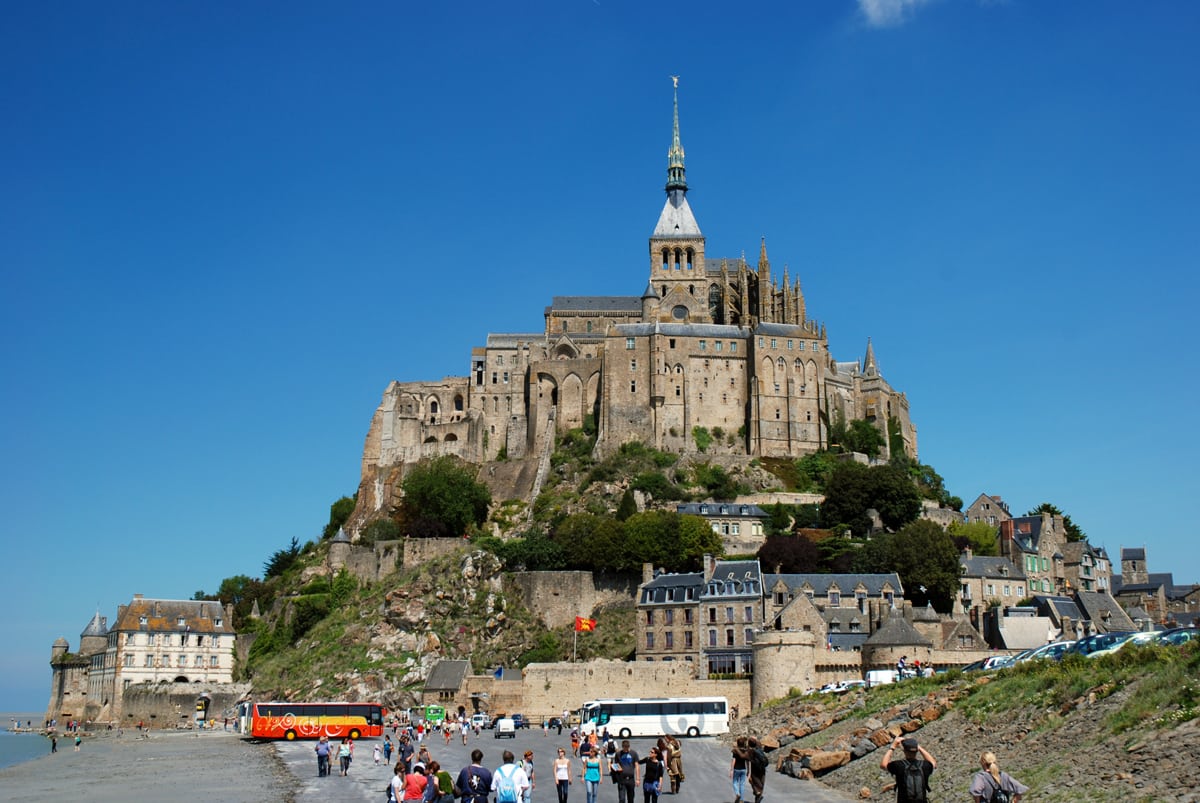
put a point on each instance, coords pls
(180, 767)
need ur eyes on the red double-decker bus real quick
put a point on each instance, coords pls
(280, 720)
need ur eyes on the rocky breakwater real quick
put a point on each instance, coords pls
(856, 741)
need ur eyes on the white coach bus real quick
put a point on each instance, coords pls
(656, 716)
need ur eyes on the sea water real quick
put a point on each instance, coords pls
(18, 747)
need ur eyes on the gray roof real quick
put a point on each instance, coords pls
(820, 583)
(785, 329)
(1133, 553)
(734, 578)
(97, 627)
(926, 614)
(897, 632)
(447, 675)
(986, 566)
(659, 590)
(1103, 610)
(596, 304)
(1058, 607)
(733, 509)
(340, 537)
(681, 330)
(676, 219)
(1028, 540)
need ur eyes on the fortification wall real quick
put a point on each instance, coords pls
(558, 597)
(173, 705)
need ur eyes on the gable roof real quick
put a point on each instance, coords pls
(987, 566)
(727, 509)
(1103, 611)
(734, 578)
(172, 615)
(846, 583)
(447, 675)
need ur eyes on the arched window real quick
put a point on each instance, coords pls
(458, 402)
(678, 258)
(690, 255)
(666, 259)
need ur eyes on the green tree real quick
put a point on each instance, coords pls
(442, 498)
(924, 556)
(978, 535)
(1074, 533)
(281, 560)
(837, 429)
(343, 587)
(895, 438)
(863, 436)
(536, 551)
(339, 512)
(717, 481)
(813, 471)
(779, 520)
(628, 506)
(380, 530)
(854, 489)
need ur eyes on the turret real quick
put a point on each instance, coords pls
(94, 637)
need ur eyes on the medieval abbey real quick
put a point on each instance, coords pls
(712, 343)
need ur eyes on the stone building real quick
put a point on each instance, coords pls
(739, 524)
(1087, 567)
(987, 581)
(156, 640)
(1036, 544)
(713, 345)
(69, 674)
(989, 509)
(1155, 594)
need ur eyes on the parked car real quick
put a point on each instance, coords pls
(842, 686)
(1051, 651)
(1178, 635)
(480, 721)
(505, 727)
(520, 721)
(1134, 638)
(1100, 641)
(495, 718)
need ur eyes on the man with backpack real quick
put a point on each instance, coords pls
(911, 772)
(509, 780)
(475, 781)
(626, 773)
(758, 769)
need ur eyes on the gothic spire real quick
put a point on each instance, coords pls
(675, 172)
(870, 367)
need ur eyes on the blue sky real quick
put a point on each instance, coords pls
(225, 229)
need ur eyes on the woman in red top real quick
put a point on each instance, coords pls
(414, 783)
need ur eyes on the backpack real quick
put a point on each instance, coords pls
(998, 795)
(758, 759)
(913, 781)
(506, 790)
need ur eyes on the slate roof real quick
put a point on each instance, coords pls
(1058, 607)
(785, 329)
(1095, 605)
(657, 590)
(595, 304)
(986, 566)
(163, 615)
(97, 627)
(715, 330)
(734, 578)
(727, 509)
(447, 675)
(897, 632)
(676, 219)
(846, 583)
(1027, 531)
(1133, 553)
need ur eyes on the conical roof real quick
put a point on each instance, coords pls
(97, 627)
(897, 632)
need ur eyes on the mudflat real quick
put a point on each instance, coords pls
(179, 766)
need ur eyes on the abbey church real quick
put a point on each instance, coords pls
(712, 344)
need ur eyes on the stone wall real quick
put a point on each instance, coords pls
(558, 597)
(372, 563)
(173, 705)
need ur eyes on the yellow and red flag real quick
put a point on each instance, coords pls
(583, 625)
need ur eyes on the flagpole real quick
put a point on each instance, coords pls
(574, 644)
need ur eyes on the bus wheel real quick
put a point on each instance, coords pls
(693, 732)
(354, 734)
(290, 736)
(624, 734)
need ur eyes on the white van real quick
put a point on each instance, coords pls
(879, 677)
(505, 727)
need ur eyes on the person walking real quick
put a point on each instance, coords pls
(387, 749)
(758, 768)
(562, 775)
(738, 768)
(322, 751)
(442, 782)
(78, 741)
(527, 765)
(396, 787)
(628, 772)
(991, 785)
(345, 755)
(53, 743)
(652, 777)
(509, 780)
(414, 783)
(911, 772)
(474, 780)
(675, 763)
(592, 773)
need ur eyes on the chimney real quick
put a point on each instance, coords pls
(709, 566)
(647, 572)
(967, 553)
(137, 596)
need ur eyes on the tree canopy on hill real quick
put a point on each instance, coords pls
(924, 556)
(853, 489)
(442, 499)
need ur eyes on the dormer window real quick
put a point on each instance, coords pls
(142, 620)
(181, 621)
(217, 622)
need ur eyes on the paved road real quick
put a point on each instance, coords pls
(705, 763)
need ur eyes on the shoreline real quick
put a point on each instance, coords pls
(175, 764)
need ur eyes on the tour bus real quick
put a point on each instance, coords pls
(290, 721)
(656, 716)
(433, 715)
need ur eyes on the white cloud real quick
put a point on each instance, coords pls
(884, 13)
